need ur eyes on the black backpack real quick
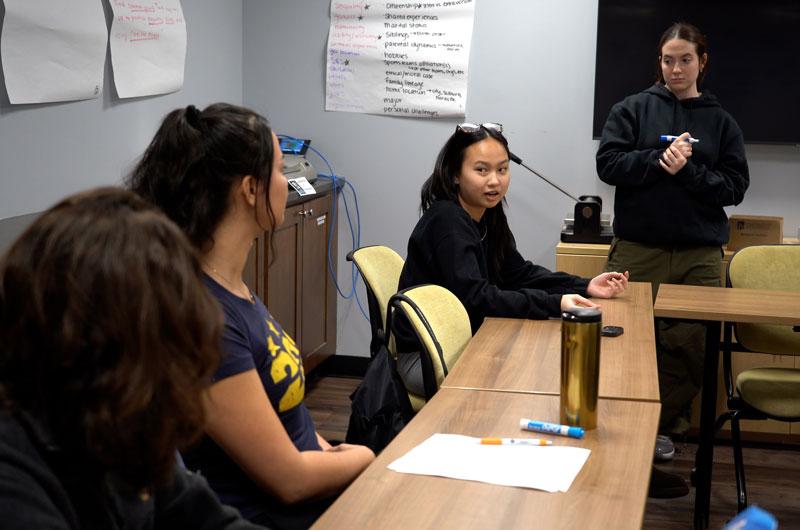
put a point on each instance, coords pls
(380, 406)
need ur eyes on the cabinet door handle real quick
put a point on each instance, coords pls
(306, 213)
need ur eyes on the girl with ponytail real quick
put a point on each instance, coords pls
(218, 173)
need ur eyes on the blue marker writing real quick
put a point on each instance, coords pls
(671, 138)
(551, 428)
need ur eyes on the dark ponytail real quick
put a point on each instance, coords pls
(194, 160)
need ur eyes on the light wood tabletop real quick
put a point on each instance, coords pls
(609, 492)
(715, 305)
(520, 355)
(734, 305)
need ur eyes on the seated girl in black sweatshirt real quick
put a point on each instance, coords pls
(463, 243)
(108, 340)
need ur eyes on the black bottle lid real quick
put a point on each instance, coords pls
(582, 314)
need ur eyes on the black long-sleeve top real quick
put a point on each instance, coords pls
(448, 248)
(43, 486)
(650, 205)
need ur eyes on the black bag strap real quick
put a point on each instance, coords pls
(428, 375)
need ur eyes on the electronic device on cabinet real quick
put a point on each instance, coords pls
(295, 163)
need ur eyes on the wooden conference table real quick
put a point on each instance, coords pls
(511, 370)
(716, 305)
(609, 492)
(518, 355)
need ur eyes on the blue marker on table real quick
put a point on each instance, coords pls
(672, 138)
(551, 428)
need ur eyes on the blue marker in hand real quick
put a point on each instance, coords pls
(672, 138)
(551, 428)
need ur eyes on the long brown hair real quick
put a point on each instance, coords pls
(107, 334)
(441, 185)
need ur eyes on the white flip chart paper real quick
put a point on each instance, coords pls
(148, 47)
(401, 57)
(53, 50)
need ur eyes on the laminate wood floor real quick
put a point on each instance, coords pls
(773, 473)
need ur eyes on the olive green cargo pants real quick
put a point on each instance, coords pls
(680, 345)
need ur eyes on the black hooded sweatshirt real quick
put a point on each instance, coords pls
(650, 205)
(448, 248)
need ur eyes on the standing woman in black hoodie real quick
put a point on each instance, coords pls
(669, 220)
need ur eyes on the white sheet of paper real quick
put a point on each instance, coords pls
(401, 58)
(53, 50)
(302, 186)
(148, 47)
(549, 468)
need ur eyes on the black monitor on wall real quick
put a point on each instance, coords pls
(754, 58)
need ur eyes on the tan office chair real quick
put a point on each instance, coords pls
(380, 268)
(761, 393)
(442, 326)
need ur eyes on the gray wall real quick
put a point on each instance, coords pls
(49, 151)
(531, 68)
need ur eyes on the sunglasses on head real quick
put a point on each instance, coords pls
(474, 127)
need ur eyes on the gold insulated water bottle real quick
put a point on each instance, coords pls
(580, 366)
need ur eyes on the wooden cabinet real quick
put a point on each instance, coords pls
(290, 274)
(582, 259)
(589, 260)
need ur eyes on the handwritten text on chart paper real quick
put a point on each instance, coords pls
(136, 15)
(148, 46)
(399, 58)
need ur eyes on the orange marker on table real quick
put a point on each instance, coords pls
(515, 441)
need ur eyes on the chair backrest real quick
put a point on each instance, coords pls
(772, 268)
(441, 324)
(380, 268)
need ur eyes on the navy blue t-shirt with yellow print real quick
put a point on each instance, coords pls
(252, 339)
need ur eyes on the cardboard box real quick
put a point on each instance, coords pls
(747, 230)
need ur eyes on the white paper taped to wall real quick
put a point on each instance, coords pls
(148, 47)
(401, 58)
(53, 50)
